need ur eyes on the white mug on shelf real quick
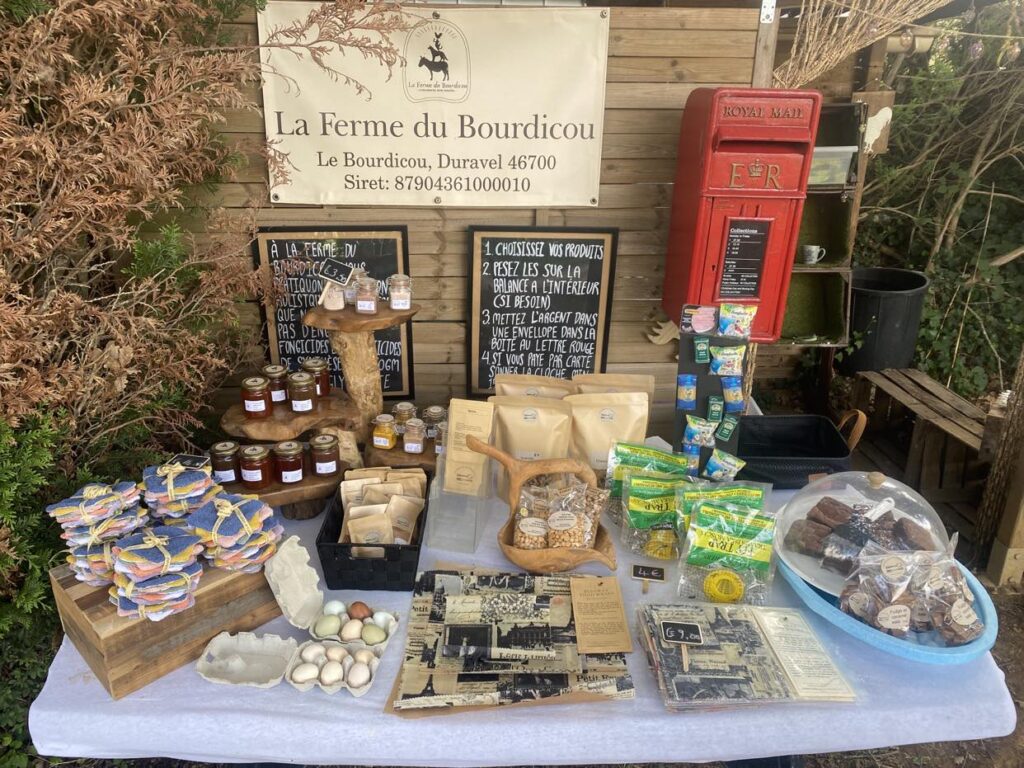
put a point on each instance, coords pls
(811, 254)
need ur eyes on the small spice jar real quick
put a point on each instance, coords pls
(288, 462)
(400, 292)
(352, 285)
(256, 466)
(415, 436)
(403, 412)
(432, 416)
(324, 450)
(384, 434)
(256, 397)
(224, 461)
(366, 296)
(317, 368)
(442, 433)
(301, 391)
(277, 375)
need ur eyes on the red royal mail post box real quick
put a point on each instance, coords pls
(741, 179)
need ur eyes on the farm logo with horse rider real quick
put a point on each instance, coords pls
(441, 71)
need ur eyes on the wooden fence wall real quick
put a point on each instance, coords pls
(656, 57)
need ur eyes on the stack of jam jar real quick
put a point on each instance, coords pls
(256, 467)
(277, 388)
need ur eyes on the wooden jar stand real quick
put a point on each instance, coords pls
(351, 336)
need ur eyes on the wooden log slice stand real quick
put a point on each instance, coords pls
(351, 336)
(305, 499)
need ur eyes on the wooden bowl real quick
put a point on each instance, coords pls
(555, 559)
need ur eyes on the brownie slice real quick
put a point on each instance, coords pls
(914, 536)
(830, 512)
(840, 555)
(807, 537)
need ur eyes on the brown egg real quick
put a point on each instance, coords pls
(359, 610)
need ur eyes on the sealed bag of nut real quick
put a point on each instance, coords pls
(919, 596)
(531, 529)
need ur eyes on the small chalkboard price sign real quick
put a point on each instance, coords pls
(648, 572)
(681, 632)
(540, 302)
(298, 260)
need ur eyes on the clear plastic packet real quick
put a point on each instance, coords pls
(727, 361)
(686, 391)
(728, 556)
(531, 518)
(732, 391)
(624, 456)
(736, 319)
(699, 432)
(617, 507)
(568, 523)
(652, 521)
(739, 493)
(722, 465)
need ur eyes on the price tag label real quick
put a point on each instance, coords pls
(648, 573)
(190, 461)
(335, 270)
(681, 632)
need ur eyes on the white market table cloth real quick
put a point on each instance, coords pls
(182, 716)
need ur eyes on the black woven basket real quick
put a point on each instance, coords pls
(396, 571)
(784, 450)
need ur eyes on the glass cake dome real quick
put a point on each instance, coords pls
(824, 526)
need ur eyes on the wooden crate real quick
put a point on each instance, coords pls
(127, 654)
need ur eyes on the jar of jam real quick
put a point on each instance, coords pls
(384, 434)
(256, 397)
(301, 391)
(352, 286)
(256, 466)
(442, 433)
(403, 412)
(288, 462)
(400, 292)
(324, 450)
(366, 296)
(224, 462)
(317, 368)
(415, 436)
(277, 375)
(432, 416)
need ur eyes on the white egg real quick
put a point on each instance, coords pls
(332, 673)
(305, 673)
(326, 626)
(358, 675)
(383, 620)
(364, 656)
(334, 608)
(336, 653)
(352, 630)
(313, 652)
(368, 620)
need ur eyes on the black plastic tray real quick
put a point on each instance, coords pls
(396, 571)
(784, 450)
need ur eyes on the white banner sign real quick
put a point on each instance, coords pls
(490, 107)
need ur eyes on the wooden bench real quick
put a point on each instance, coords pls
(942, 460)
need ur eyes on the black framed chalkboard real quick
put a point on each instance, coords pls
(540, 302)
(292, 258)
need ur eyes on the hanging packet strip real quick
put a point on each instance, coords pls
(727, 361)
(728, 556)
(637, 456)
(736, 320)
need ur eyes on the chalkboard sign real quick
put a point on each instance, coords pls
(648, 573)
(294, 257)
(540, 301)
(681, 632)
(743, 262)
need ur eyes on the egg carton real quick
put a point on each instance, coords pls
(296, 587)
(302, 657)
(259, 661)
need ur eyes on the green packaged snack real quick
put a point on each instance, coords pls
(701, 349)
(726, 428)
(652, 521)
(728, 557)
(740, 494)
(716, 407)
(637, 456)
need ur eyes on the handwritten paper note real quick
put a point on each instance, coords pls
(600, 616)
